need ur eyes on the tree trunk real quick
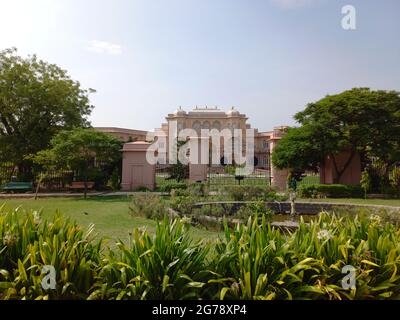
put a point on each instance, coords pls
(85, 182)
(338, 172)
(37, 189)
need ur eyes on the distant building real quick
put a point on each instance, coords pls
(125, 135)
(214, 118)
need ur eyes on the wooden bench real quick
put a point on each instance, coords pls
(17, 186)
(80, 185)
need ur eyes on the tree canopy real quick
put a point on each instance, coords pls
(78, 148)
(299, 150)
(360, 120)
(37, 100)
(81, 150)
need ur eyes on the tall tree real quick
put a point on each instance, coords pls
(358, 120)
(37, 100)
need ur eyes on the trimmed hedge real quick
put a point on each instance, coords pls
(251, 193)
(330, 191)
(169, 186)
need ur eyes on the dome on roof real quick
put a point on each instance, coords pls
(180, 112)
(233, 112)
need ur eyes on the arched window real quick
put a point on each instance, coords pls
(197, 126)
(216, 125)
(206, 125)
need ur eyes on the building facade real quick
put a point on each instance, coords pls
(125, 135)
(215, 118)
(212, 118)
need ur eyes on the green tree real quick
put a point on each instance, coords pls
(81, 150)
(37, 100)
(358, 120)
(179, 171)
(298, 150)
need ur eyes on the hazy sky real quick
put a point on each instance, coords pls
(266, 57)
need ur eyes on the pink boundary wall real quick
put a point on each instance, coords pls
(351, 176)
(136, 171)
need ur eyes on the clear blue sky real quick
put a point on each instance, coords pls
(266, 57)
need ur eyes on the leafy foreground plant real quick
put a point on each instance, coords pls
(255, 261)
(251, 261)
(28, 244)
(164, 266)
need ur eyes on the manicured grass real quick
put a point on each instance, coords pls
(385, 202)
(109, 214)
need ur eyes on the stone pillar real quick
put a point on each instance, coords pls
(136, 171)
(278, 177)
(198, 170)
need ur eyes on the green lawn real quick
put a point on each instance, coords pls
(385, 202)
(109, 214)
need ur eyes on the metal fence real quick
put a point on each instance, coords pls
(310, 178)
(7, 171)
(53, 180)
(223, 175)
(59, 179)
(164, 175)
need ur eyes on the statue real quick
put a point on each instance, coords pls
(292, 184)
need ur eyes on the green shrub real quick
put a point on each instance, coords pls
(183, 200)
(229, 169)
(394, 177)
(167, 187)
(256, 209)
(97, 175)
(210, 210)
(250, 261)
(28, 244)
(148, 205)
(330, 191)
(166, 265)
(115, 180)
(256, 261)
(198, 189)
(249, 193)
(378, 175)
